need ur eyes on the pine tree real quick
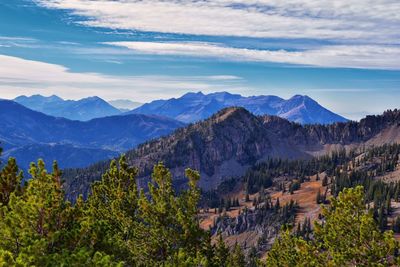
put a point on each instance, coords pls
(277, 204)
(318, 198)
(252, 258)
(348, 236)
(237, 258)
(10, 181)
(325, 181)
(396, 225)
(221, 252)
(40, 228)
(112, 212)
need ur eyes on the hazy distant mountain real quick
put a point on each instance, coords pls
(24, 131)
(67, 155)
(83, 109)
(124, 105)
(192, 107)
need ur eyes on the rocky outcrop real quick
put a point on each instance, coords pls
(230, 141)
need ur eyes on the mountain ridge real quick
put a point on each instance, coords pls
(20, 127)
(192, 107)
(233, 139)
(83, 110)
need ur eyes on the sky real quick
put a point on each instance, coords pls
(344, 54)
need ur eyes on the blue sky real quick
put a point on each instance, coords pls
(344, 54)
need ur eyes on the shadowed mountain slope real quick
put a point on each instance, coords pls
(230, 141)
(22, 129)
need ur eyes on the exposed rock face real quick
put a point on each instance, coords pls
(227, 143)
(224, 145)
(253, 227)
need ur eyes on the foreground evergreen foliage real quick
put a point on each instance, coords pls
(118, 225)
(347, 236)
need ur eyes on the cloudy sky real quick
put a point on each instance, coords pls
(344, 54)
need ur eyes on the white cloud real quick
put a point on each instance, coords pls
(360, 56)
(355, 33)
(20, 76)
(368, 20)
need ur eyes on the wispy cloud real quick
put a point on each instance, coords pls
(12, 41)
(352, 19)
(360, 56)
(20, 76)
(352, 33)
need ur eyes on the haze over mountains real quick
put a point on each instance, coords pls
(31, 135)
(124, 105)
(84, 109)
(193, 107)
(90, 130)
(188, 108)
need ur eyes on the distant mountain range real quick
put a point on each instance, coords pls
(32, 134)
(188, 108)
(193, 107)
(233, 139)
(92, 129)
(83, 110)
(124, 105)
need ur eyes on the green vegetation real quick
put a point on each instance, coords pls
(120, 224)
(347, 236)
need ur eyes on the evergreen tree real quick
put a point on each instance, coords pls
(325, 181)
(319, 198)
(221, 252)
(237, 258)
(252, 258)
(396, 225)
(39, 228)
(10, 181)
(111, 216)
(348, 236)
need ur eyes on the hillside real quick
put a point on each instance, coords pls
(251, 221)
(83, 110)
(193, 107)
(67, 155)
(230, 141)
(30, 132)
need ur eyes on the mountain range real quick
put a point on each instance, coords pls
(230, 141)
(32, 134)
(124, 105)
(89, 130)
(84, 109)
(193, 107)
(188, 108)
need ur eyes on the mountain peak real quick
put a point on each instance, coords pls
(230, 112)
(193, 107)
(192, 94)
(83, 109)
(93, 98)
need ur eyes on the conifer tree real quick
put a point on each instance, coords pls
(111, 216)
(237, 258)
(10, 181)
(348, 236)
(221, 252)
